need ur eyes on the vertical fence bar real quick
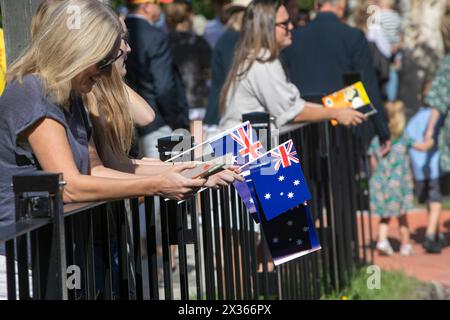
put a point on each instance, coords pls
(226, 236)
(218, 246)
(88, 249)
(105, 238)
(236, 244)
(10, 270)
(208, 251)
(136, 227)
(245, 251)
(184, 285)
(150, 227)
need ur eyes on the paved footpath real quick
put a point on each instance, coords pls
(424, 266)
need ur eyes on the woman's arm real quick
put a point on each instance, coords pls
(424, 146)
(149, 167)
(124, 164)
(314, 112)
(141, 112)
(49, 143)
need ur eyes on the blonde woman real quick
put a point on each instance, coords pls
(114, 109)
(43, 121)
(257, 81)
(141, 113)
(391, 187)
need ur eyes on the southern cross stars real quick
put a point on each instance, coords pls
(281, 178)
(267, 196)
(296, 182)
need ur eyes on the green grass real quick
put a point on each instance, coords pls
(395, 285)
(446, 205)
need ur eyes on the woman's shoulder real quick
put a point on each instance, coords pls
(30, 83)
(260, 67)
(21, 92)
(26, 97)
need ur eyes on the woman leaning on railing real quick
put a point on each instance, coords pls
(44, 122)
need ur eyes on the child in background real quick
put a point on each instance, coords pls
(391, 187)
(426, 173)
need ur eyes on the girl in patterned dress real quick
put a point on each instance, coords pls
(391, 187)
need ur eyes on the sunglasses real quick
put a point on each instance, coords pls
(285, 24)
(105, 63)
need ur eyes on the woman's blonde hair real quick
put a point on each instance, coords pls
(257, 34)
(42, 12)
(109, 111)
(395, 111)
(75, 35)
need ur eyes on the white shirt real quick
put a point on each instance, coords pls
(264, 88)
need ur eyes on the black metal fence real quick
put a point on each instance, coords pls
(204, 248)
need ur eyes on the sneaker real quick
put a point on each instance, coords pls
(431, 245)
(384, 247)
(406, 249)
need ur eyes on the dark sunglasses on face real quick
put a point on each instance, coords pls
(105, 63)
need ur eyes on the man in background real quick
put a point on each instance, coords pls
(153, 75)
(326, 49)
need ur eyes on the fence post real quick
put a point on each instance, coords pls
(260, 121)
(174, 219)
(40, 196)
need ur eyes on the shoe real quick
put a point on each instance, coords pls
(440, 238)
(406, 250)
(431, 245)
(384, 247)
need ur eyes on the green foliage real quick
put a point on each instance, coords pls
(116, 3)
(446, 205)
(305, 4)
(203, 7)
(395, 285)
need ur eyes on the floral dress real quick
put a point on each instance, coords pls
(391, 186)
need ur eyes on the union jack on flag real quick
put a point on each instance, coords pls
(242, 142)
(244, 137)
(285, 154)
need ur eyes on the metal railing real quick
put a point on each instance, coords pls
(123, 249)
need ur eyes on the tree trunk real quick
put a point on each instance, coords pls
(17, 17)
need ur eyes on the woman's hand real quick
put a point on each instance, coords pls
(224, 178)
(350, 117)
(173, 185)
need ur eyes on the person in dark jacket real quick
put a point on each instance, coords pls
(192, 56)
(153, 74)
(326, 49)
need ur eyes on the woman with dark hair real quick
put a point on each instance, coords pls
(257, 81)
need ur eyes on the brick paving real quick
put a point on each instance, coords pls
(422, 265)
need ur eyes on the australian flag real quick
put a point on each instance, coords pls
(291, 235)
(279, 181)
